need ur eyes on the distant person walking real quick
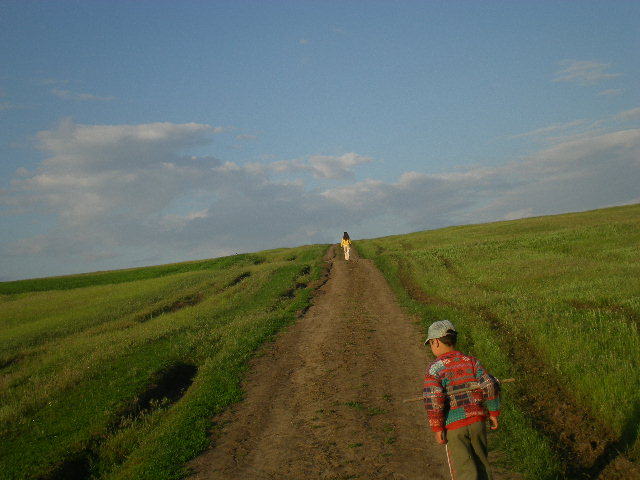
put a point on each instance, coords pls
(346, 245)
(460, 395)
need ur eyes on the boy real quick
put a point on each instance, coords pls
(458, 392)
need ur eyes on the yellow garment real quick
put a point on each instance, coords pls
(345, 242)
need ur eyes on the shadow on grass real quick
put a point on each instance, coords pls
(614, 449)
(166, 389)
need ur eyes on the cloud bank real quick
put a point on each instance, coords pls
(115, 196)
(584, 72)
(83, 97)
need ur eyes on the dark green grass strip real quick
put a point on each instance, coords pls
(122, 276)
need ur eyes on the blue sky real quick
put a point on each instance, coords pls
(149, 132)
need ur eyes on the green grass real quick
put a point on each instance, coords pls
(566, 287)
(125, 276)
(83, 359)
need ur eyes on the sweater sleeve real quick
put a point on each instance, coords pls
(490, 389)
(435, 399)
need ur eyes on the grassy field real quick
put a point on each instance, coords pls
(116, 375)
(553, 301)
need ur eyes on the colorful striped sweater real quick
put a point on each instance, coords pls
(454, 371)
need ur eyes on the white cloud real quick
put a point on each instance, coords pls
(7, 106)
(87, 147)
(51, 81)
(29, 246)
(580, 129)
(632, 114)
(582, 174)
(517, 214)
(84, 97)
(320, 166)
(341, 167)
(551, 129)
(584, 72)
(125, 194)
(611, 92)
(591, 172)
(246, 136)
(121, 174)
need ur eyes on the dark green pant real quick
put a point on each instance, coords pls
(467, 452)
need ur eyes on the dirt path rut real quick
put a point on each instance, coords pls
(324, 401)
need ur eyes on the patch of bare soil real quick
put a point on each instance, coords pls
(324, 400)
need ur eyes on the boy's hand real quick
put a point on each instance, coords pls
(441, 437)
(493, 423)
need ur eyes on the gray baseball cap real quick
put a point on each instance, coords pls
(439, 329)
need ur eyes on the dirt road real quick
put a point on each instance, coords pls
(324, 401)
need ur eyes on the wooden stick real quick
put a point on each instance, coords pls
(463, 390)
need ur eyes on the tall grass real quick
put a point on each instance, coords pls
(567, 287)
(120, 379)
